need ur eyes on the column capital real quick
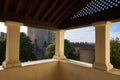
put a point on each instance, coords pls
(59, 30)
(103, 23)
(13, 24)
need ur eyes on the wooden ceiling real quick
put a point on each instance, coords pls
(59, 14)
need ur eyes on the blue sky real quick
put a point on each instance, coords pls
(86, 34)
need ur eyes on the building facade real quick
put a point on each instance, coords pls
(41, 38)
(85, 51)
(2, 35)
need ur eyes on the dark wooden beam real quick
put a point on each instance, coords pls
(27, 21)
(31, 7)
(41, 8)
(43, 25)
(6, 4)
(49, 10)
(58, 10)
(61, 20)
(65, 11)
(19, 6)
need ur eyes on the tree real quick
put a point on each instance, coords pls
(2, 50)
(68, 50)
(26, 49)
(115, 52)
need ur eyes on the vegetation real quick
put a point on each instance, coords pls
(115, 52)
(2, 50)
(26, 49)
(68, 50)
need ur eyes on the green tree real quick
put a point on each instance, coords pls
(2, 50)
(26, 49)
(68, 50)
(115, 52)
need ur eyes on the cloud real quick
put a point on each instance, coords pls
(23, 29)
(88, 34)
(81, 35)
(3, 28)
(114, 35)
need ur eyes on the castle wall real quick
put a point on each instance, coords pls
(85, 51)
(40, 38)
(87, 56)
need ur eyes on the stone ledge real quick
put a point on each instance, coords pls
(115, 71)
(29, 63)
(79, 63)
(38, 62)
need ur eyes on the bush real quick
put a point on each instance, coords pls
(115, 52)
(26, 49)
(68, 50)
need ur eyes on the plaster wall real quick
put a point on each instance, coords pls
(57, 70)
(36, 70)
(73, 70)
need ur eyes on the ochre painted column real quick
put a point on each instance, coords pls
(59, 44)
(102, 46)
(12, 44)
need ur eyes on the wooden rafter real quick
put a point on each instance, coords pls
(74, 10)
(41, 8)
(49, 10)
(26, 21)
(19, 6)
(57, 11)
(64, 11)
(6, 4)
(31, 7)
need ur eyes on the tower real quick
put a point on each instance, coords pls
(41, 38)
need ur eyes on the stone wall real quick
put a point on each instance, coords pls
(40, 38)
(85, 51)
(2, 35)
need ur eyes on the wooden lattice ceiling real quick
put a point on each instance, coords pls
(59, 14)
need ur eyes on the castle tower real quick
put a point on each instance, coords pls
(41, 38)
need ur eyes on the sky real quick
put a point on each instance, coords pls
(86, 34)
(3, 28)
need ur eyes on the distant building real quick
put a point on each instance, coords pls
(40, 38)
(2, 35)
(85, 51)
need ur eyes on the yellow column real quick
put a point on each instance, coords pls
(12, 44)
(59, 44)
(102, 46)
